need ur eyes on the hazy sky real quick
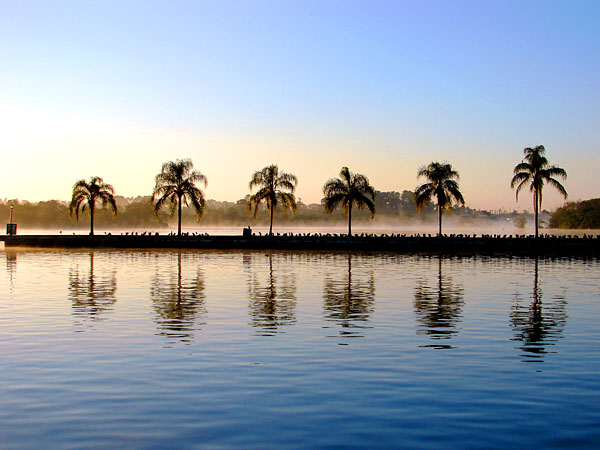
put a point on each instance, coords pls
(116, 88)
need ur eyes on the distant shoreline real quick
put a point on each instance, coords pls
(449, 244)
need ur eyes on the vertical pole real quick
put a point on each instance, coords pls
(10, 228)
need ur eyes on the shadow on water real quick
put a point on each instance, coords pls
(349, 300)
(438, 308)
(179, 301)
(272, 302)
(537, 325)
(92, 295)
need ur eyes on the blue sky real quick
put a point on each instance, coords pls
(116, 88)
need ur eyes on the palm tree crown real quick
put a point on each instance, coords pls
(86, 195)
(535, 170)
(176, 184)
(274, 187)
(348, 190)
(442, 184)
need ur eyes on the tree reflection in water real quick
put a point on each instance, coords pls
(179, 300)
(272, 303)
(11, 267)
(92, 295)
(349, 300)
(438, 308)
(535, 326)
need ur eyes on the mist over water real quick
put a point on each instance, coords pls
(491, 228)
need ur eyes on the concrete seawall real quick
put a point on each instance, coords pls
(454, 244)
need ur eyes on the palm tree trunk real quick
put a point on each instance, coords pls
(179, 215)
(91, 220)
(271, 226)
(439, 220)
(535, 209)
(350, 220)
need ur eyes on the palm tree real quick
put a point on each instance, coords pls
(442, 184)
(273, 186)
(86, 195)
(535, 169)
(176, 183)
(351, 189)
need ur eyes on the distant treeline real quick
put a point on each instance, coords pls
(577, 215)
(137, 213)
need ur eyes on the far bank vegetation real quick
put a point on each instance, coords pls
(577, 215)
(138, 213)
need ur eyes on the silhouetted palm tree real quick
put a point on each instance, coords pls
(273, 186)
(85, 195)
(442, 185)
(535, 169)
(350, 189)
(177, 184)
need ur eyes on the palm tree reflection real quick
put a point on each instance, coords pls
(91, 294)
(438, 308)
(349, 301)
(272, 304)
(538, 327)
(178, 302)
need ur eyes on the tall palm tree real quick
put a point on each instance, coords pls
(274, 187)
(176, 183)
(349, 190)
(442, 184)
(86, 195)
(535, 169)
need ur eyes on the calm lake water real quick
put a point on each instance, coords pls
(183, 349)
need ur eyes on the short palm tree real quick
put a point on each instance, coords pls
(176, 184)
(86, 195)
(535, 170)
(442, 184)
(274, 187)
(349, 190)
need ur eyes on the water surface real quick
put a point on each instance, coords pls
(180, 349)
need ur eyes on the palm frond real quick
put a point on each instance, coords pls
(520, 176)
(454, 191)
(553, 171)
(330, 202)
(559, 187)
(423, 195)
(198, 202)
(346, 175)
(365, 202)
(288, 201)
(334, 186)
